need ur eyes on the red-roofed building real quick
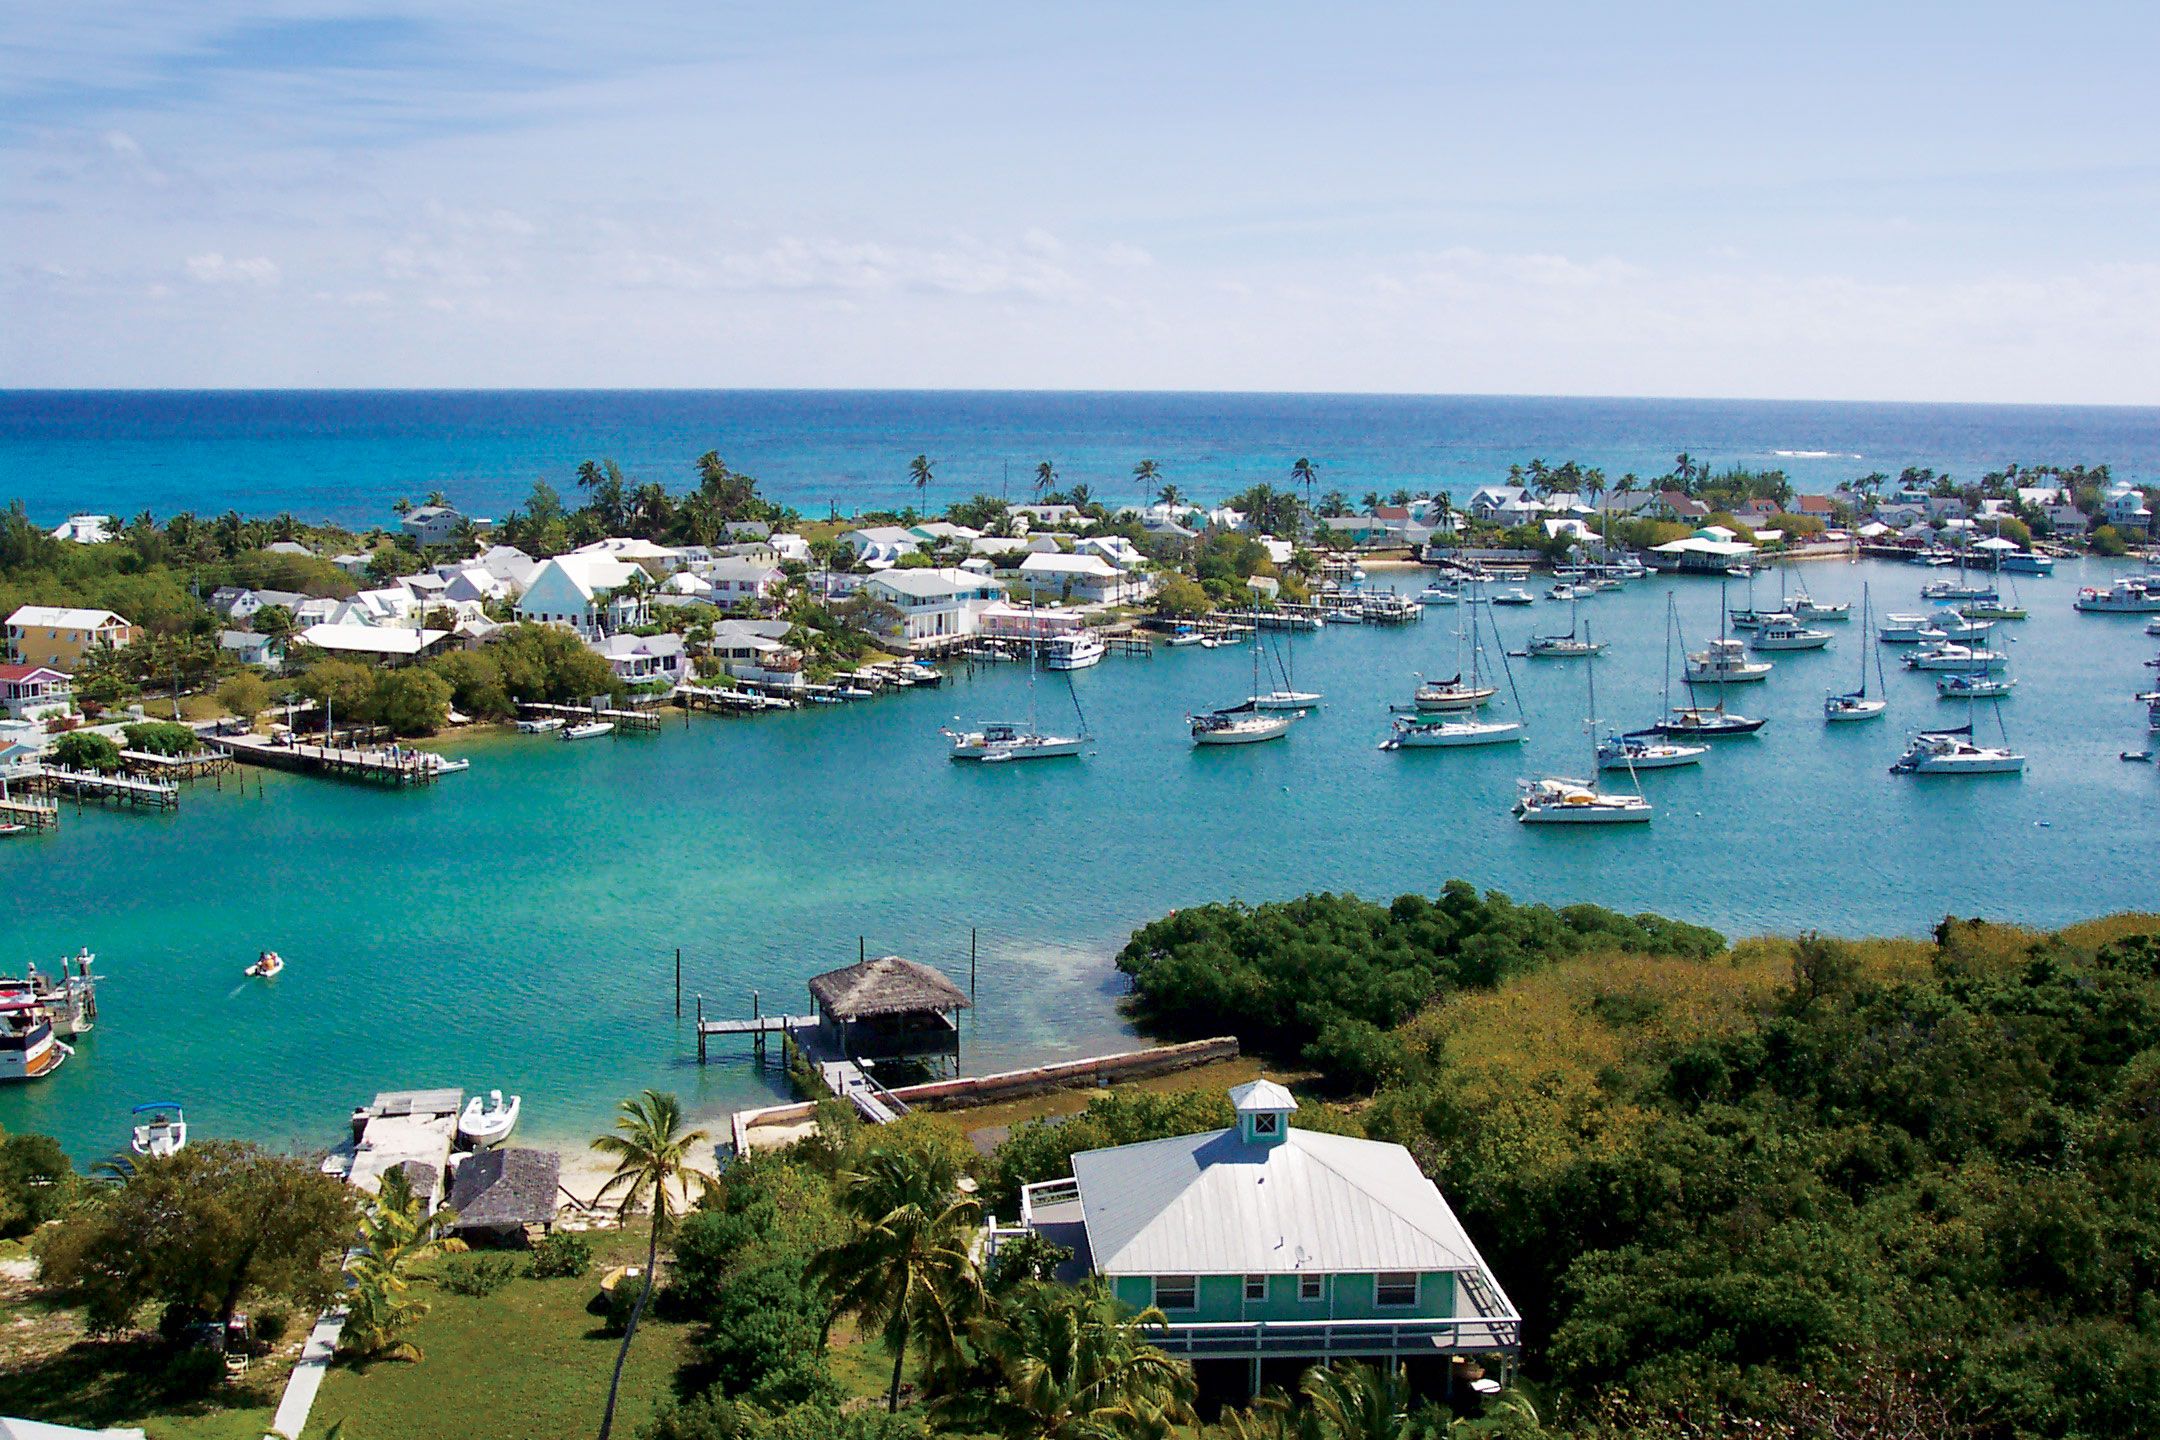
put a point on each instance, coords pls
(1681, 506)
(30, 691)
(1820, 506)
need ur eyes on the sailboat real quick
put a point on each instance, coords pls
(1559, 800)
(1960, 588)
(1456, 692)
(1460, 725)
(1858, 704)
(1245, 724)
(1000, 741)
(1288, 697)
(1724, 661)
(1955, 752)
(1695, 720)
(1563, 647)
(1651, 749)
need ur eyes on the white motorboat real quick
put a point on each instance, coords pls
(1783, 631)
(1956, 590)
(1073, 652)
(1184, 638)
(1806, 607)
(1949, 655)
(1952, 752)
(1858, 704)
(1559, 800)
(1387, 608)
(1902, 628)
(545, 726)
(161, 1130)
(1977, 686)
(1437, 594)
(1948, 624)
(29, 1047)
(588, 729)
(1646, 750)
(1514, 595)
(1725, 662)
(1563, 591)
(489, 1119)
(2132, 595)
(1440, 731)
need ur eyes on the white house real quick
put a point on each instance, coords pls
(432, 524)
(1116, 549)
(788, 546)
(878, 546)
(644, 659)
(1036, 517)
(934, 603)
(2125, 509)
(508, 568)
(1088, 579)
(86, 529)
(1504, 504)
(735, 582)
(243, 604)
(583, 591)
(943, 534)
(354, 564)
(757, 651)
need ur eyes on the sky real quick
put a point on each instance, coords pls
(1906, 201)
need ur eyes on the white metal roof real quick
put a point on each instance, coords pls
(370, 639)
(1261, 1095)
(63, 617)
(1213, 1205)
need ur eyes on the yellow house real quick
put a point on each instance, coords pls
(59, 636)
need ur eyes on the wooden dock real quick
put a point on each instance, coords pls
(80, 785)
(32, 814)
(179, 767)
(719, 700)
(759, 1027)
(384, 766)
(640, 721)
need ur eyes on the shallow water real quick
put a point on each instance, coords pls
(515, 926)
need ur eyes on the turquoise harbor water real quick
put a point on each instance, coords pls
(516, 925)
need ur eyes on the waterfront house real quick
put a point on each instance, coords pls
(1087, 579)
(432, 524)
(1026, 622)
(1712, 550)
(585, 592)
(86, 529)
(505, 1194)
(644, 659)
(1822, 507)
(242, 604)
(934, 604)
(757, 651)
(888, 1009)
(31, 692)
(1268, 1248)
(60, 635)
(1679, 505)
(387, 644)
(2125, 509)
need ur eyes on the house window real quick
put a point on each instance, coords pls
(1256, 1287)
(1308, 1287)
(1395, 1289)
(1175, 1292)
(1265, 1124)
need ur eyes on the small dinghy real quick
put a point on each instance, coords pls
(162, 1131)
(2137, 757)
(545, 726)
(589, 729)
(268, 966)
(488, 1120)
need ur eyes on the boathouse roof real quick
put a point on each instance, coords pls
(501, 1189)
(887, 985)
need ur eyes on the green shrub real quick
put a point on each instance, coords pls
(271, 1327)
(81, 750)
(562, 1255)
(477, 1275)
(191, 1374)
(616, 1305)
(161, 737)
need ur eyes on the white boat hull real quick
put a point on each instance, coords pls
(1250, 731)
(1969, 765)
(1789, 642)
(1456, 735)
(1659, 757)
(1851, 711)
(1287, 700)
(482, 1125)
(1587, 814)
(1727, 674)
(1045, 747)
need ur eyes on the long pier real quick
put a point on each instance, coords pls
(89, 785)
(391, 767)
(179, 767)
(31, 814)
(641, 720)
(719, 700)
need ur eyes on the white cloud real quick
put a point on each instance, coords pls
(214, 269)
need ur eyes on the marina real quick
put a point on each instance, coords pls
(578, 869)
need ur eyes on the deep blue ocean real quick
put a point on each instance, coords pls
(346, 455)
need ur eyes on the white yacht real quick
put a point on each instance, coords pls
(589, 729)
(1949, 655)
(1073, 652)
(1646, 750)
(1902, 628)
(1807, 607)
(1979, 685)
(1952, 752)
(1242, 727)
(2131, 595)
(1858, 704)
(1438, 593)
(1514, 595)
(1000, 741)
(1782, 630)
(1725, 662)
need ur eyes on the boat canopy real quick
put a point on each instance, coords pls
(159, 1105)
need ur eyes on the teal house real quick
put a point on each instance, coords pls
(1269, 1246)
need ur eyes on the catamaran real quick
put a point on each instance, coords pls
(1559, 800)
(1953, 752)
(1858, 704)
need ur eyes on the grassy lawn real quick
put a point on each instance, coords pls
(523, 1362)
(49, 1370)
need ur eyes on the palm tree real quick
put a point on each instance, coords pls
(652, 1165)
(1045, 477)
(395, 1232)
(1684, 468)
(1357, 1402)
(1303, 473)
(908, 1270)
(919, 471)
(1170, 495)
(1073, 1366)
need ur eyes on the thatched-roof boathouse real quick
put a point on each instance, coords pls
(888, 1009)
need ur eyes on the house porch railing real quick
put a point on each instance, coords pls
(1342, 1339)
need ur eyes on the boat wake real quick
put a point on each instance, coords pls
(1815, 454)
